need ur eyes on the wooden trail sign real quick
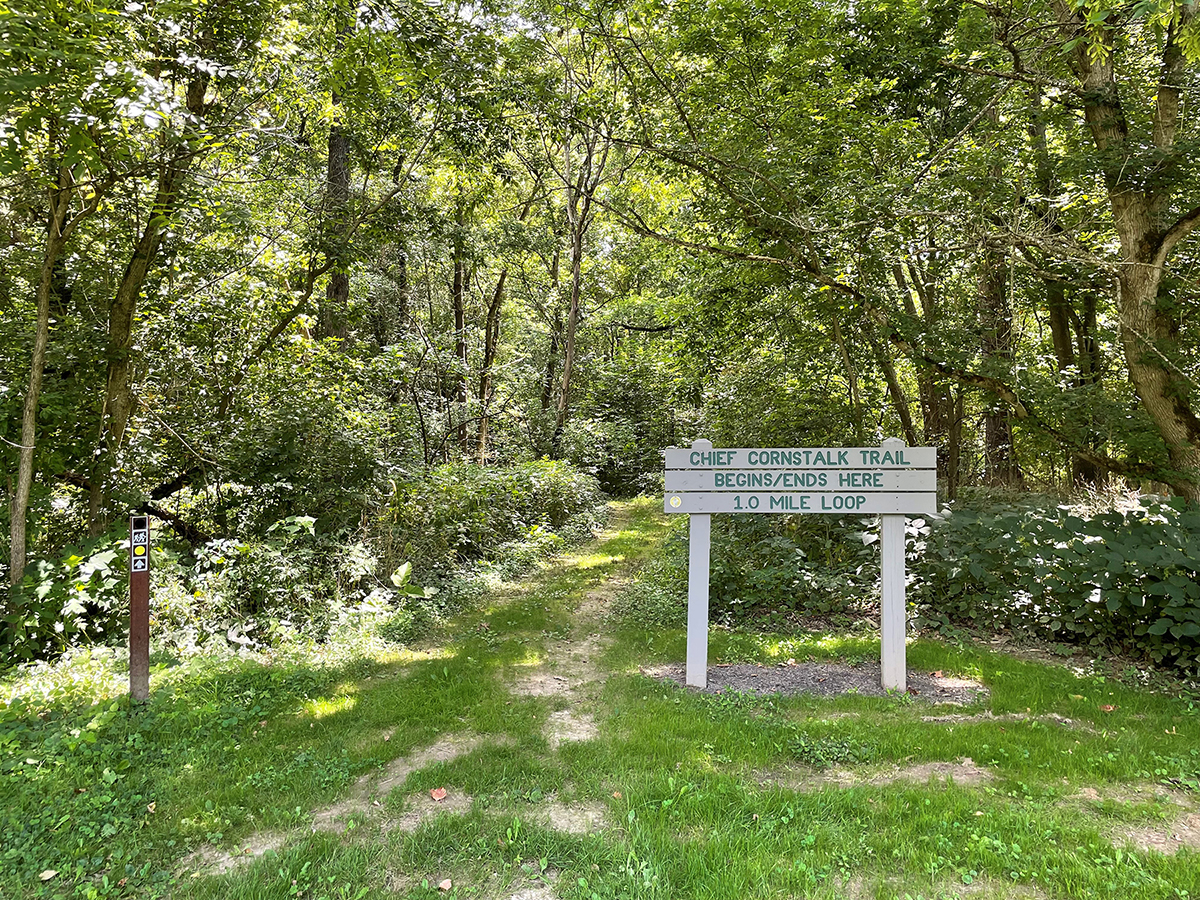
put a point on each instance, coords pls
(892, 480)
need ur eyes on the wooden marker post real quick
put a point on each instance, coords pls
(893, 614)
(699, 542)
(890, 481)
(139, 608)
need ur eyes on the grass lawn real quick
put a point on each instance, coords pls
(319, 772)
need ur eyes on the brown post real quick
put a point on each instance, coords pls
(139, 608)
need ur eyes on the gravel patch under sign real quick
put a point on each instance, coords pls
(825, 679)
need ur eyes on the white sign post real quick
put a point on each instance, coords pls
(892, 480)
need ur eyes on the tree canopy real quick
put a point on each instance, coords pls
(283, 260)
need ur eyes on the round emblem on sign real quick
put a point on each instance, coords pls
(675, 501)
(139, 551)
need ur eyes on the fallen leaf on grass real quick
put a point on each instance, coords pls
(150, 807)
(48, 874)
(937, 674)
(617, 795)
(1107, 707)
(438, 794)
(445, 885)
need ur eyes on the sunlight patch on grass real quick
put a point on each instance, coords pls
(530, 659)
(323, 709)
(597, 561)
(422, 655)
(766, 647)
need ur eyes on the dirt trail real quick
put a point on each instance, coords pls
(571, 672)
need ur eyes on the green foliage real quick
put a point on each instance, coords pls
(773, 566)
(657, 596)
(624, 422)
(824, 752)
(75, 598)
(462, 512)
(1122, 579)
(763, 714)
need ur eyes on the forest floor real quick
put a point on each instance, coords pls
(539, 748)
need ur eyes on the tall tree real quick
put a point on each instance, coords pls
(61, 89)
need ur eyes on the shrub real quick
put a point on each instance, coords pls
(1129, 580)
(78, 597)
(810, 565)
(762, 567)
(461, 512)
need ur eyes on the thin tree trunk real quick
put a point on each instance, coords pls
(333, 311)
(548, 377)
(555, 330)
(564, 394)
(1059, 310)
(118, 392)
(851, 382)
(491, 343)
(954, 446)
(56, 235)
(933, 393)
(895, 390)
(458, 291)
(333, 314)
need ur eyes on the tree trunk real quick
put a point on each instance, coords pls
(491, 343)
(895, 389)
(458, 292)
(564, 394)
(118, 394)
(333, 311)
(555, 330)
(954, 446)
(995, 321)
(1059, 310)
(56, 235)
(1141, 202)
(333, 314)
(851, 383)
(548, 377)
(933, 393)
(1162, 389)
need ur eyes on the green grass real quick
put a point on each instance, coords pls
(704, 796)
